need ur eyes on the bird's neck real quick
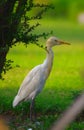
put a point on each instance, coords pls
(50, 56)
(48, 61)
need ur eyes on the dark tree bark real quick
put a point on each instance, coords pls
(8, 27)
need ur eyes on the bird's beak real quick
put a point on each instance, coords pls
(63, 42)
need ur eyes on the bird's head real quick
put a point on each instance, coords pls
(53, 41)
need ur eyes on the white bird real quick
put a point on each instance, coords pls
(34, 82)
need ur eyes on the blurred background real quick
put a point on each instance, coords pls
(66, 82)
(70, 10)
(66, 19)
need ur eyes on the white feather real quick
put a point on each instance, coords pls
(31, 85)
(16, 101)
(35, 80)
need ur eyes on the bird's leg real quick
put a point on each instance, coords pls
(32, 109)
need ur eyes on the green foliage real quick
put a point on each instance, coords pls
(25, 30)
(15, 26)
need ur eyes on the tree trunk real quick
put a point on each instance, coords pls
(2, 61)
(8, 27)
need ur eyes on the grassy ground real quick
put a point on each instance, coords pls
(62, 87)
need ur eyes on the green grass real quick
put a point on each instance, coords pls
(64, 83)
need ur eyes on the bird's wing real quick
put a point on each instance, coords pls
(32, 82)
(28, 78)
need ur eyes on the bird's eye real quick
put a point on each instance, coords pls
(55, 40)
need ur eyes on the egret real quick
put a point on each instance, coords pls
(34, 82)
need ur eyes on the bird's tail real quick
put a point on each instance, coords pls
(16, 101)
